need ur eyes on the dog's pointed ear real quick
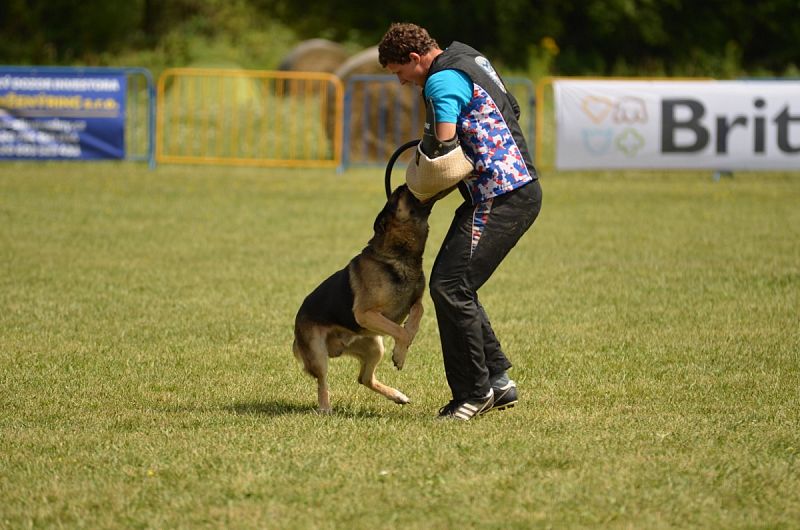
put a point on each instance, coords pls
(380, 221)
(403, 201)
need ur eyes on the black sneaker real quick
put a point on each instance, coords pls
(467, 409)
(505, 396)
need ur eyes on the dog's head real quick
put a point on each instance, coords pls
(404, 219)
(403, 207)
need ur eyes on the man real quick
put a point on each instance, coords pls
(470, 108)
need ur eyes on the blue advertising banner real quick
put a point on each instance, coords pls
(64, 115)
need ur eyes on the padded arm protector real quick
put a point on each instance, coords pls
(432, 146)
(428, 177)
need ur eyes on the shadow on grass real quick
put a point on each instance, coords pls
(283, 408)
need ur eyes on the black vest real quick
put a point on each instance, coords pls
(459, 56)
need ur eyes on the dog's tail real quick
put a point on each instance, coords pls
(299, 344)
(302, 350)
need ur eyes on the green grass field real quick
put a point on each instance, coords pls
(147, 379)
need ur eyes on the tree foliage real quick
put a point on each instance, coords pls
(593, 36)
(602, 37)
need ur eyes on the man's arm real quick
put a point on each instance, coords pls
(445, 131)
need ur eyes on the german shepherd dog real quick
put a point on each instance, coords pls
(351, 310)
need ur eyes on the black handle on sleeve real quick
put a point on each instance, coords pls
(390, 165)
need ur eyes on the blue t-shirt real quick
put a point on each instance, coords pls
(450, 90)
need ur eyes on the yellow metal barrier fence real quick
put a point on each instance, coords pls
(249, 118)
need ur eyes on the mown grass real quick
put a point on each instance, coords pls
(147, 380)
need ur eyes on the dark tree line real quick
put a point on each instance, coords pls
(582, 36)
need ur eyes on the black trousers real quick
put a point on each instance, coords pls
(479, 237)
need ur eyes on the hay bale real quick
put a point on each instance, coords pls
(363, 62)
(314, 55)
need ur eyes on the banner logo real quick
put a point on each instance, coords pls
(597, 141)
(629, 142)
(597, 108)
(623, 110)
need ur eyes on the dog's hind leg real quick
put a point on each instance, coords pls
(311, 348)
(323, 395)
(369, 351)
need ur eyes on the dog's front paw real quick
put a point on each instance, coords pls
(399, 357)
(401, 345)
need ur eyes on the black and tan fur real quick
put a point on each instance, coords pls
(379, 289)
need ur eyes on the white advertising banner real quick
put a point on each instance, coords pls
(725, 125)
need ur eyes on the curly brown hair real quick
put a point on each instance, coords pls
(402, 39)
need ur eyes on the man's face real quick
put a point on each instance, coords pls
(410, 72)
